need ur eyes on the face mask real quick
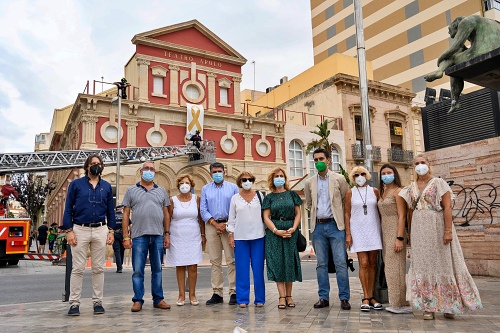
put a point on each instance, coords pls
(184, 188)
(279, 182)
(95, 170)
(320, 166)
(148, 175)
(247, 185)
(217, 177)
(387, 179)
(360, 180)
(421, 169)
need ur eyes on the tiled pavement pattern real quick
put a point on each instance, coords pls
(51, 316)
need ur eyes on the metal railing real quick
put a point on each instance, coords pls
(206, 153)
(400, 155)
(491, 4)
(359, 152)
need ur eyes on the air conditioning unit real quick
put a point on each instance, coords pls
(269, 89)
(284, 79)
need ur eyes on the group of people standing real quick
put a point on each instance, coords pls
(376, 219)
(250, 229)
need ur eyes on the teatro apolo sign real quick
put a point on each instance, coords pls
(199, 60)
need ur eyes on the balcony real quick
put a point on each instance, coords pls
(400, 156)
(359, 152)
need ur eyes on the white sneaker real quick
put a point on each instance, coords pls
(399, 309)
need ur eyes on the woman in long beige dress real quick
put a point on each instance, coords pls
(392, 210)
(438, 280)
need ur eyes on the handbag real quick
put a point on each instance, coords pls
(301, 242)
(331, 265)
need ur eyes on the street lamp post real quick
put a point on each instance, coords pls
(122, 93)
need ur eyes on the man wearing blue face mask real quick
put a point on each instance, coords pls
(214, 209)
(150, 234)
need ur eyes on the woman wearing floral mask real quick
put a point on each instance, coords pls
(438, 280)
(187, 236)
(392, 210)
(282, 218)
(362, 227)
(246, 236)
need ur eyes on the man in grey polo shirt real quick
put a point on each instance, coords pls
(148, 203)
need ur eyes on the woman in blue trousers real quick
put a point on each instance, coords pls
(246, 236)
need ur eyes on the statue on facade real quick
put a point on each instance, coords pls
(483, 35)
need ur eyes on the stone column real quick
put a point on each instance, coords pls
(279, 151)
(248, 146)
(88, 132)
(131, 133)
(211, 91)
(236, 87)
(174, 85)
(143, 80)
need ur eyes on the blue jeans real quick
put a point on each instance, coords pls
(326, 237)
(246, 253)
(140, 248)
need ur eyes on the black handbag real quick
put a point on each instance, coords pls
(331, 265)
(301, 242)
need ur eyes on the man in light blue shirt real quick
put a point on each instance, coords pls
(214, 209)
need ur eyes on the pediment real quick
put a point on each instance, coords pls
(190, 37)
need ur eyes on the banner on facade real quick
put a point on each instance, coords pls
(195, 115)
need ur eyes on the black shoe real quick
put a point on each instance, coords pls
(345, 305)
(322, 303)
(74, 310)
(215, 299)
(118, 270)
(98, 309)
(232, 300)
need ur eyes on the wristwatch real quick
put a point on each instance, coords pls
(167, 232)
(400, 238)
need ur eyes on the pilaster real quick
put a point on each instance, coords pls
(174, 85)
(143, 79)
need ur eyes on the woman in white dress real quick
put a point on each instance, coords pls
(362, 227)
(187, 236)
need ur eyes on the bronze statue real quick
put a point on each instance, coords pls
(483, 35)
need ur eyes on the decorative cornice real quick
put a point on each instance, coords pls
(237, 79)
(143, 62)
(174, 68)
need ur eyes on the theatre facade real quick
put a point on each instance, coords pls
(172, 69)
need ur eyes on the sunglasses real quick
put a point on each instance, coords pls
(148, 169)
(244, 180)
(358, 174)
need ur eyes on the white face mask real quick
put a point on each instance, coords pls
(184, 188)
(360, 180)
(247, 185)
(421, 169)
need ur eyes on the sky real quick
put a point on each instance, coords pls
(50, 48)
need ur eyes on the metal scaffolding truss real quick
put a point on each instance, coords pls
(69, 159)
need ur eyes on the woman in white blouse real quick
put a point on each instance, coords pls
(246, 236)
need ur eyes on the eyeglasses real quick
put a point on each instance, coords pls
(244, 180)
(358, 174)
(146, 168)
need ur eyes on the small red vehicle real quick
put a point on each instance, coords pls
(14, 240)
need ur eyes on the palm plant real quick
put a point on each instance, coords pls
(323, 132)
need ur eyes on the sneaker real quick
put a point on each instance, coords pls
(232, 300)
(74, 310)
(399, 309)
(98, 309)
(215, 299)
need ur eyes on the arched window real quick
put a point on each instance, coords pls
(335, 159)
(295, 159)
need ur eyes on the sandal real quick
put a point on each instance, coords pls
(282, 306)
(291, 304)
(376, 306)
(243, 305)
(259, 305)
(365, 307)
(428, 315)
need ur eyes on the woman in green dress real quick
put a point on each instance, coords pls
(282, 218)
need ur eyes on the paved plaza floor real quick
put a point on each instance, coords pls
(51, 316)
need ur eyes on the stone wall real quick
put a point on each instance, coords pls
(474, 169)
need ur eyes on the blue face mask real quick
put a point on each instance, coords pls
(218, 177)
(387, 179)
(279, 182)
(148, 175)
